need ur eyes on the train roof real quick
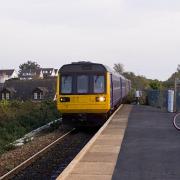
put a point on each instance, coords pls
(113, 72)
(87, 66)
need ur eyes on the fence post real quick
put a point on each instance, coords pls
(170, 101)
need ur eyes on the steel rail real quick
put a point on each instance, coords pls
(35, 156)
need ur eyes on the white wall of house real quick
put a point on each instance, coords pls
(41, 74)
(31, 75)
(14, 75)
(53, 73)
(3, 78)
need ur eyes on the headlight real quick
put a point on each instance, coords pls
(100, 99)
(64, 99)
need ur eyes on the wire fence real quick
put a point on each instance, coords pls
(159, 99)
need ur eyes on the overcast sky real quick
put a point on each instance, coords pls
(144, 35)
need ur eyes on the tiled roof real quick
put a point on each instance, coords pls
(8, 72)
(11, 90)
(37, 71)
(47, 69)
(24, 88)
(1, 86)
(43, 89)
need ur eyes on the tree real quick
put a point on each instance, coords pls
(178, 68)
(170, 82)
(119, 68)
(155, 84)
(138, 82)
(29, 65)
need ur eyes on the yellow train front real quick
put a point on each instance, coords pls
(86, 93)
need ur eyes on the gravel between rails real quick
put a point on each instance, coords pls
(13, 158)
(54, 161)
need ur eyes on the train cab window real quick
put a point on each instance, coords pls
(82, 84)
(66, 84)
(98, 84)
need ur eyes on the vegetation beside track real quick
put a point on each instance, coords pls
(18, 118)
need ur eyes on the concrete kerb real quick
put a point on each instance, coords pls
(81, 154)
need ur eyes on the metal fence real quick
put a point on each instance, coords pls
(178, 99)
(159, 99)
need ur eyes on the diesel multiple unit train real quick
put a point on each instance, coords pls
(88, 92)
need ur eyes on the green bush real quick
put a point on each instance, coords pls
(18, 118)
(130, 99)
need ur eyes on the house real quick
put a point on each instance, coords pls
(6, 74)
(49, 72)
(7, 93)
(40, 93)
(38, 74)
(31, 74)
(34, 89)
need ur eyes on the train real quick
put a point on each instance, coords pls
(87, 93)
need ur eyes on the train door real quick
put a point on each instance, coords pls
(111, 82)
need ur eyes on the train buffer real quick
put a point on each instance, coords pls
(138, 143)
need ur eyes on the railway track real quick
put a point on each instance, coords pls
(24, 164)
(51, 161)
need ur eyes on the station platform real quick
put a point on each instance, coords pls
(137, 143)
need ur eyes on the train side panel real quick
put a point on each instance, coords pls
(123, 88)
(115, 91)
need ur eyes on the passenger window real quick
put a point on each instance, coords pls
(66, 84)
(82, 84)
(98, 84)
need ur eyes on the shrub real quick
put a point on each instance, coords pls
(18, 118)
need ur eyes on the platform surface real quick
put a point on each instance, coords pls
(151, 147)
